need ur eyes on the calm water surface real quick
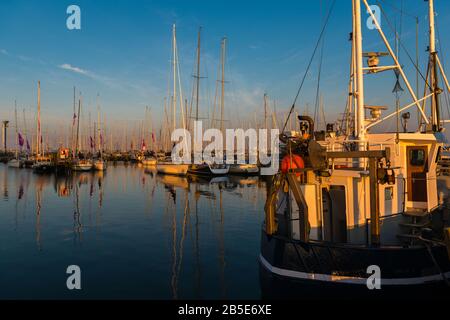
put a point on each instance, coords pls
(134, 234)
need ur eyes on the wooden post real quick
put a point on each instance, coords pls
(374, 203)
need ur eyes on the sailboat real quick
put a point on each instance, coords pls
(16, 162)
(99, 162)
(167, 166)
(213, 169)
(80, 163)
(41, 163)
(373, 221)
(148, 158)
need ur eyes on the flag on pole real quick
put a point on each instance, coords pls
(28, 146)
(153, 137)
(74, 118)
(21, 141)
(92, 143)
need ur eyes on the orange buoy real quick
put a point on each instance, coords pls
(290, 162)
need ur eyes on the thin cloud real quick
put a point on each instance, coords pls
(69, 67)
(3, 51)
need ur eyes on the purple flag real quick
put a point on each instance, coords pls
(21, 141)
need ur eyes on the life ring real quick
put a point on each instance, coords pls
(290, 162)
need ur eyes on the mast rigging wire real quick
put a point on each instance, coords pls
(401, 44)
(309, 63)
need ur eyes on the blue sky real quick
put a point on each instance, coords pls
(122, 52)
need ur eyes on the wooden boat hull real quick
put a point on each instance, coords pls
(172, 169)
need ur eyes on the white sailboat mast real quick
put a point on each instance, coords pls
(174, 67)
(16, 130)
(359, 76)
(222, 96)
(38, 127)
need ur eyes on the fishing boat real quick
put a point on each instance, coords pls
(357, 212)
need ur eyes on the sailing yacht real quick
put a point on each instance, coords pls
(16, 161)
(99, 163)
(206, 169)
(361, 202)
(41, 162)
(79, 162)
(167, 166)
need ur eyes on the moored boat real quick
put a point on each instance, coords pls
(99, 164)
(172, 168)
(82, 165)
(244, 169)
(355, 211)
(149, 161)
(15, 163)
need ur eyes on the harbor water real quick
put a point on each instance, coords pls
(133, 233)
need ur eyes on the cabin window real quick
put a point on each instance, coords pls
(388, 193)
(417, 157)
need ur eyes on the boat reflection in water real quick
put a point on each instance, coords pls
(133, 232)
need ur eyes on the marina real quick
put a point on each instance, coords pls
(182, 181)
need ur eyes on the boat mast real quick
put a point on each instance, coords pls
(78, 128)
(435, 112)
(222, 97)
(17, 133)
(99, 130)
(359, 80)
(38, 127)
(198, 74)
(265, 111)
(73, 122)
(174, 67)
(25, 130)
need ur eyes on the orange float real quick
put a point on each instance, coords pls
(291, 162)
